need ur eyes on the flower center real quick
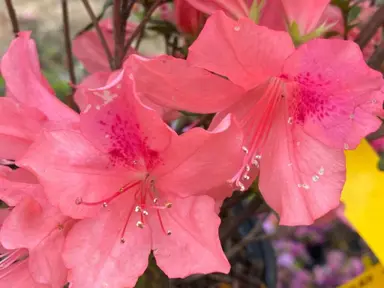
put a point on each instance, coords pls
(147, 200)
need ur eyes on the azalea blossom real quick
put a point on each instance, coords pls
(188, 19)
(138, 187)
(33, 232)
(298, 108)
(30, 102)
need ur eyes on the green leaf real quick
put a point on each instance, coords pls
(354, 12)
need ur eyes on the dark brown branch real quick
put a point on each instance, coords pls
(117, 32)
(68, 50)
(95, 23)
(13, 17)
(139, 29)
(377, 57)
(232, 223)
(370, 28)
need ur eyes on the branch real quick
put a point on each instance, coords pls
(377, 57)
(68, 48)
(13, 17)
(117, 31)
(232, 223)
(139, 29)
(370, 28)
(99, 33)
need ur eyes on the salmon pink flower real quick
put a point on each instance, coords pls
(88, 49)
(140, 186)
(34, 228)
(299, 109)
(29, 103)
(188, 19)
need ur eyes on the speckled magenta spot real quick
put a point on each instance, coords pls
(128, 145)
(311, 98)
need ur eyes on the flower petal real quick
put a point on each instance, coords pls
(194, 246)
(336, 93)
(200, 160)
(174, 83)
(131, 133)
(96, 256)
(28, 224)
(306, 13)
(75, 170)
(233, 49)
(310, 174)
(25, 83)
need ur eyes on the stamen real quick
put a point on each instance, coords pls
(140, 224)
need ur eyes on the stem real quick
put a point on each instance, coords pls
(68, 49)
(117, 32)
(370, 28)
(377, 57)
(99, 33)
(13, 17)
(139, 29)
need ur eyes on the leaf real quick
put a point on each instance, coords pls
(354, 12)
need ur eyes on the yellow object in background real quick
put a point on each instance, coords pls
(371, 278)
(363, 196)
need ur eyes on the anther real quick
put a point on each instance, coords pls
(155, 200)
(140, 224)
(241, 186)
(246, 177)
(78, 201)
(145, 213)
(105, 204)
(245, 149)
(137, 209)
(255, 163)
(247, 168)
(168, 205)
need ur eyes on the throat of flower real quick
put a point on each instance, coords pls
(257, 124)
(147, 200)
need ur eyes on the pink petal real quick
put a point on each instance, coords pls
(95, 254)
(24, 81)
(74, 170)
(195, 163)
(272, 15)
(233, 49)
(19, 125)
(234, 8)
(28, 224)
(95, 80)
(300, 178)
(194, 246)
(188, 19)
(174, 83)
(45, 260)
(122, 126)
(336, 94)
(306, 13)
(18, 276)
(15, 185)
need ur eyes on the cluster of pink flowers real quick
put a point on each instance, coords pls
(95, 193)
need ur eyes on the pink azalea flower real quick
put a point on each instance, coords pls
(299, 108)
(305, 13)
(34, 226)
(100, 79)
(188, 19)
(29, 103)
(88, 49)
(140, 186)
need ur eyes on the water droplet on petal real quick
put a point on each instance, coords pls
(351, 116)
(298, 143)
(346, 146)
(299, 185)
(169, 232)
(78, 201)
(290, 120)
(374, 101)
(305, 186)
(321, 171)
(315, 178)
(290, 164)
(131, 76)
(236, 28)
(122, 240)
